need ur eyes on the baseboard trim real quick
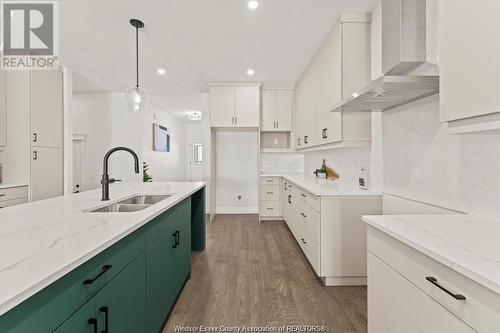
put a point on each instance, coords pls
(344, 281)
(237, 210)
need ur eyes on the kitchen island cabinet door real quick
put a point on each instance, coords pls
(121, 305)
(82, 321)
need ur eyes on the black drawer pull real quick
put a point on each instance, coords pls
(435, 282)
(289, 199)
(302, 194)
(104, 309)
(303, 215)
(175, 240)
(93, 322)
(105, 268)
(303, 241)
(269, 192)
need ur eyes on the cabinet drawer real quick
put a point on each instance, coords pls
(13, 193)
(481, 307)
(401, 306)
(307, 197)
(270, 180)
(270, 208)
(269, 192)
(309, 234)
(50, 307)
(13, 202)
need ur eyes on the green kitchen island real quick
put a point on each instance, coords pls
(72, 264)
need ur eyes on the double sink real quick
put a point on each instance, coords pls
(133, 204)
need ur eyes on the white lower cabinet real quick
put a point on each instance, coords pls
(405, 293)
(270, 198)
(328, 229)
(13, 196)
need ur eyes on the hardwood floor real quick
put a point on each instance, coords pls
(255, 274)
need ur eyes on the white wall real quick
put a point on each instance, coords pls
(106, 122)
(423, 162)
(237, 170)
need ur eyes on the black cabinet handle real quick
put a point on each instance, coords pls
(93, 322)
(35, 137)
(175, 240)
(324, 133)
(298, 142)
(435, 282)
(303, 215)
(303, 195)
(306, 139)
(105, 268)
(35, 155)
(104, 309)
(303, 241)
(289, 199)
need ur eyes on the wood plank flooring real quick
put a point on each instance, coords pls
(254, 273)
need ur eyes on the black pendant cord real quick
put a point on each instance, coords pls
(137, 56)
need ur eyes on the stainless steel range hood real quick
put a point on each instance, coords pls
(403, 53)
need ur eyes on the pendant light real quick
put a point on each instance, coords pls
(137, 98)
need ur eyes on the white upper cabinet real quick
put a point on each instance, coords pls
(232, 106)
(469, 44)
(341, 65)
(47, 108)
(3, 109)
(277, 110)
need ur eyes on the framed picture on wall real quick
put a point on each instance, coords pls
(161, 138)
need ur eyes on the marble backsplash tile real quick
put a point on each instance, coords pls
(423, 162)
(275, 163)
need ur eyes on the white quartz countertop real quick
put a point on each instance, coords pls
(467, 244)
(11, 185)
(321, 187)
(42, 241)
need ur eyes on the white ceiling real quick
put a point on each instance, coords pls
(196, 41)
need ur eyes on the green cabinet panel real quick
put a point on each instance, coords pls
(168, 262)
(46, 310)
(82, 321)
(198, 237)
(122, 303)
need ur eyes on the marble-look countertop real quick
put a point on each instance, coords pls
(11, 185)
(42, 241)
(321, 187)
(468, 244)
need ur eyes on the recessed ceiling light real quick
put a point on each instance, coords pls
(161, 71)
(253, 4)
(250, 72)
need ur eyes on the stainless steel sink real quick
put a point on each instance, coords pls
(120, 208)
(133, 204)
(144, 199)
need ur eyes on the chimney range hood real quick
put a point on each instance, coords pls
(403, 52)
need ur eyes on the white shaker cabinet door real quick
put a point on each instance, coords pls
(469, 64)
(284, 110)
(46, 173)
(247, 106)
(268, 110)
(47, 108)
(222, 104)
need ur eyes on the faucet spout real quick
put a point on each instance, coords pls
(105, 180)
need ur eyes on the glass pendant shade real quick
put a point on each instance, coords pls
(137, 99)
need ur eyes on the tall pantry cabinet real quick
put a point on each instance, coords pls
(46, 134)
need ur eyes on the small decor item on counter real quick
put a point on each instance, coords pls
(363, 178)
(146, 178)
(326, 173)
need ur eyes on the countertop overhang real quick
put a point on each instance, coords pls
(468, 244)
(42, 241)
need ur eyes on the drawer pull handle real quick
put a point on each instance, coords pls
(2, 195)
(303, 241)
(270, 192)
(289, 199)
(303, 195)
(303, 215)
(435, 282)
(270, 208)
(93, 323)
(269, 180)
(104, 309)
(178, 238)
(105, 268)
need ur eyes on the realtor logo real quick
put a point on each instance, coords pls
(29, 35)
